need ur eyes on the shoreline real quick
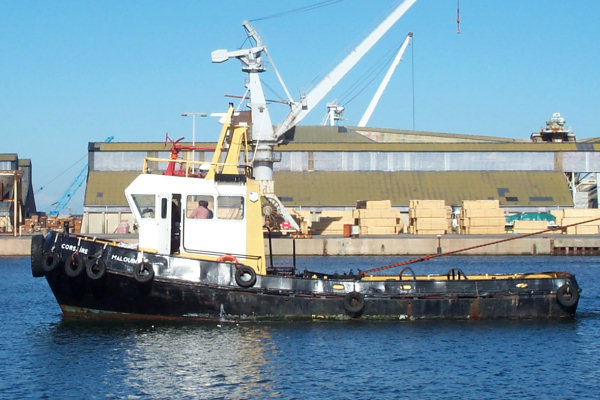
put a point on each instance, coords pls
(396, 245)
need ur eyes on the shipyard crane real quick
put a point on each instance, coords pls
(386, 79)
(300, 109)
(72, 189)
(264, 138)
(335, 112)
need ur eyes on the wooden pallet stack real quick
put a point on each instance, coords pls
(304, 220)
(481, 217)
(331, 222)
(428, 217)
(377, 217)
(42, 223)
(529, 226)
(570, 216)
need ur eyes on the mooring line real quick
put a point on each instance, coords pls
(447, 253)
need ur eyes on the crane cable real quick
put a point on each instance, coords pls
(457, 16)
(309, 7)
(60, 174)
(430, 256)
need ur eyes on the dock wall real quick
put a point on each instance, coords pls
(410, 245)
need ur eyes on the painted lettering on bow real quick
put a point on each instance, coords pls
(73, 248)
(125, 259)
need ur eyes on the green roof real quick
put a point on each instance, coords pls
(511, 188)
(339, 138)
(8, 157)
(106, 188)
(343, 189)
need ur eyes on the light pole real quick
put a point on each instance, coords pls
(193, 114)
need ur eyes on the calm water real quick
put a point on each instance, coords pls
(45, 357)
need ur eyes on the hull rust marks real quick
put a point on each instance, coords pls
(208, 290)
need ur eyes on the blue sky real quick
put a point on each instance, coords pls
(73, 72)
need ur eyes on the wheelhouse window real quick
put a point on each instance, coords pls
(230, 207)
(145, 204)
(200, 207)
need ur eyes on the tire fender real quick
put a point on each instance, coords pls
(37, 256)
(354, 302)
(50, 260)
(143, 272)
(74, 265)
(95, 268)
(241, 272)
(567, 296)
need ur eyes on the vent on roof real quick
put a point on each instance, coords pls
(541, 198)
(511, 198)
(100, 194)
(502, 191)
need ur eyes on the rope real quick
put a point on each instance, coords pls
(310, 7)
(60, 174)
(429, 257)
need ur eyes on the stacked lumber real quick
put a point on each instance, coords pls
(570, 216)
(331, 222)
(39, 223)
(428, 217)
(481, 217)
(5, 223)
(529, 226)
(377, 217)
(303, 219)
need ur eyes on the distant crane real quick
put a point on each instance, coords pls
(335, 112)
(75, 185)
(264, 137)
(386, 79)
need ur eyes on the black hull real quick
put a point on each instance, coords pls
(212, 292)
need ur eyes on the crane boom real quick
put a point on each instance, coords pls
(386, 79)
(301, 109)
(72, 189)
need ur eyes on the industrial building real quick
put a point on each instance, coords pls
(17, 200)
(332, 167)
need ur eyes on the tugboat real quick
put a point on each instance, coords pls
(201, 250)
(201, 256)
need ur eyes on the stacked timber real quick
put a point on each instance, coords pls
(481, 217)
(304, 220)
(428, 217)
(569, 216)
(5, 223)
(331, 222)
(529, 226)
(377, 217)
(42, 223)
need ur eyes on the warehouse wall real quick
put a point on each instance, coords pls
(107, 222)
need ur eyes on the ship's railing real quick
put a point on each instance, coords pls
(255, 261)
(190, 168)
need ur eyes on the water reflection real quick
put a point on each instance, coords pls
(199, 361)
(46, 356)
(144, 360)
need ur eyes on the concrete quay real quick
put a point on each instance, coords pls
(397, 245)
